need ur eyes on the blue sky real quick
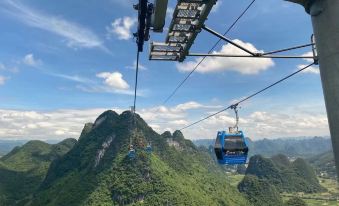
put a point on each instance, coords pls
(62, 63)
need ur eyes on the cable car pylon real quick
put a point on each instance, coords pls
(325, 21)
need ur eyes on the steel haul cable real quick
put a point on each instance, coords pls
(136, 82)
(135, 96)
(249, 97)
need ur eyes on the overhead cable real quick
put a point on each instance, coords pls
(249, 97)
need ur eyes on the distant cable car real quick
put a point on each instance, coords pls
(231, 147)
(131, 152)
(148, 148)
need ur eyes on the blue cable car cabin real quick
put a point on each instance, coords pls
(149, 148)
(231, 148)
(131, 152)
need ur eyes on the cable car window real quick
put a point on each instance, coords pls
(234, 143)
(217, 142)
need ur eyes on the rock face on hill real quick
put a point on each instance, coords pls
(286, 176)
(97, 170)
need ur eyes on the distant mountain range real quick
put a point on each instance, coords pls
(292, 147)
(297, 147)
(7, 145)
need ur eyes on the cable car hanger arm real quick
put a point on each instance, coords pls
(227, 40)
(235, 108)
(253, 54)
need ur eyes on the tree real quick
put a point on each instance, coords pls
(295, 201)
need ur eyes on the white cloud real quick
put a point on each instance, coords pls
(64, 123)
(141, 67)
(121, 28)
(58, 124)
(188, 105)
(2, 80)
(192, 105)
(171, 118)
(2, 66)
(218, 64)
(178, 112)
(124, 3)
(74, 78)
(302, 120)
(76, 35)
(12, 69)
(180, 122)
(308, 54)
(30, 60)
(261, 124)
(114, 80)
(113, 83)
(108, 89)
(216, 7)
(310, 70)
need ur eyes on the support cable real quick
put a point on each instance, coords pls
(288, 49)
(249, 97)
(249, 56)
(213, 47)
(136, 81)
(135, 97)
(136, 86)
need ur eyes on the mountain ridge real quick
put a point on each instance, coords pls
(100, 172)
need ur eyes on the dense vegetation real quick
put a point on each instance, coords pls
(296, 176)
(295, 201)
(324, 164)
(259, 192)
(97, 171)
(24, 168)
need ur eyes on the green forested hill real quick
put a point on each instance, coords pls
(24, 168)
(296, 176)
(259, 191)
(324, 164)
(96, 171)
